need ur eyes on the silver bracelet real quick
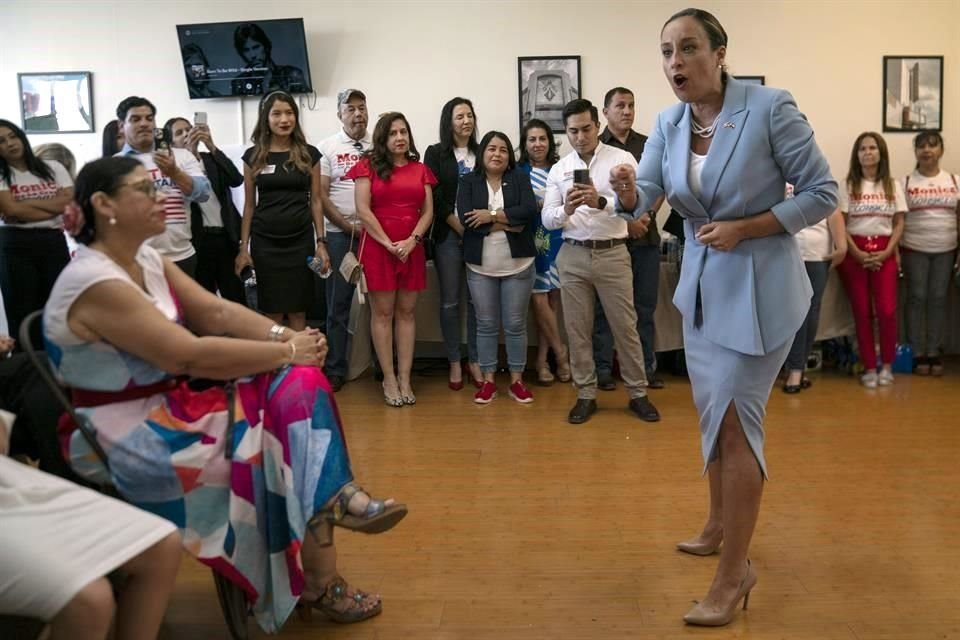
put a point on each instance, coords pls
(276, 333)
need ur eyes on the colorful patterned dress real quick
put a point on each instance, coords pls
(548, 242)
(244, 515)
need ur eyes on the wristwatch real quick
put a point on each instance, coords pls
(418, 238)
(601, 203)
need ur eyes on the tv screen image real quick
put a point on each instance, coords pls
(251, 58)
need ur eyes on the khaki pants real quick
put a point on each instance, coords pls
(586, 274)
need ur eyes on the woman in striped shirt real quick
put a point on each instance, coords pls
(538, 152)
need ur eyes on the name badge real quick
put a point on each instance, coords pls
(268, 169)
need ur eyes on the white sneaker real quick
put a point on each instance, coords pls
(886, 378)
(869, 380)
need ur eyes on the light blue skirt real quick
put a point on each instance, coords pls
(720, 376)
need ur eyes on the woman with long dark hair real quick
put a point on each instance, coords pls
(113, 138)
(455, 155)
(929, 249)
(282, 212)
(33, 250)
(538, 152)
(873, 206)
(394, 199)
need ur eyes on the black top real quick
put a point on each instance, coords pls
(223, 175)
(444, 166)
(283, 196)
(634, 145)
(519, 205)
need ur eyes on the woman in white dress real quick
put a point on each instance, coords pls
(59, 541)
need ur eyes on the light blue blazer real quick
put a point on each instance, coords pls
(755, 297)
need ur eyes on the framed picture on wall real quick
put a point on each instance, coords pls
(56, 102)
(912, 93)
(753, 79)
(545, 84)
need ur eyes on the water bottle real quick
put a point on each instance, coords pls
(249, 278)
(317, 267)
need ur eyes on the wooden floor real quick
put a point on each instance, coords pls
(522, 526)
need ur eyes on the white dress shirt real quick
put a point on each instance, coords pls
(586, 223)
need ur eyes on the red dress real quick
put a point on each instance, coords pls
(396, 203)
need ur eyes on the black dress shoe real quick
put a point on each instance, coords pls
(336, 382)
(806, 383)
(644, 409)
(605, 382)
(653, 382)
(792, 388)
(582, 411)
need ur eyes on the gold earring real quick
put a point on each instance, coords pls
(113, 221)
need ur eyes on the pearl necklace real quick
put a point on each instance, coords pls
(703, 132)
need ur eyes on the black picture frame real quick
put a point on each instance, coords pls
(56, 102)
(761, 80)
(912, 93)
(558, 80)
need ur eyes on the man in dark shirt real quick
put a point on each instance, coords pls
(644, 246)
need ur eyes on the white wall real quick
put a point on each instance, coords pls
(412, 56)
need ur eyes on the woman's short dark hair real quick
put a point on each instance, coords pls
(251, 31)
(35, 165)
(106, 175)
(446, 125)
(928, 137)
(481, 169)
(714, 30)
(381, 160)
(580, 105)
(536, 123)
(132, 103)
(109, 143)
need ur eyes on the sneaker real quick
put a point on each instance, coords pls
(885, 379)
(520, 393)
(869, 380)
(486, 394)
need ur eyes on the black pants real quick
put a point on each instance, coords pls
(216, 255)
(30, 261)
(35, 433)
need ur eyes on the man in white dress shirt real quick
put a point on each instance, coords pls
(594, 261)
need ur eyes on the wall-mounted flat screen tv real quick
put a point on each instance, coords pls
(252, 58)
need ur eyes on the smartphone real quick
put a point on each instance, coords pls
(160, 140)
(581, 176)
(199, 117)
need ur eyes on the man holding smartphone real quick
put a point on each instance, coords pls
(174, 171)
(594, 261)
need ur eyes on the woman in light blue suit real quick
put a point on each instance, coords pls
(722, 158)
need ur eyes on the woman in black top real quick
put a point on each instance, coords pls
(281, 212)
(454, 156)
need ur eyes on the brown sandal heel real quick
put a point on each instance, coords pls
(335, 593)
(377, 518)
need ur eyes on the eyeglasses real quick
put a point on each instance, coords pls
(146, 187)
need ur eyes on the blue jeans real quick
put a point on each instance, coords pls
(448, 261)
(339, 294)
(503, 300)
(645, 262)
(807, 333)
(928, 279)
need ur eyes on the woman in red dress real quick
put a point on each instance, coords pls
(395, 204)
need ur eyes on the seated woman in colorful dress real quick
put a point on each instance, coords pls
(243, 470)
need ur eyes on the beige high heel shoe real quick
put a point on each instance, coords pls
(703, 618)
(700, 548)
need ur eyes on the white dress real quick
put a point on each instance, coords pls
(57, 537)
